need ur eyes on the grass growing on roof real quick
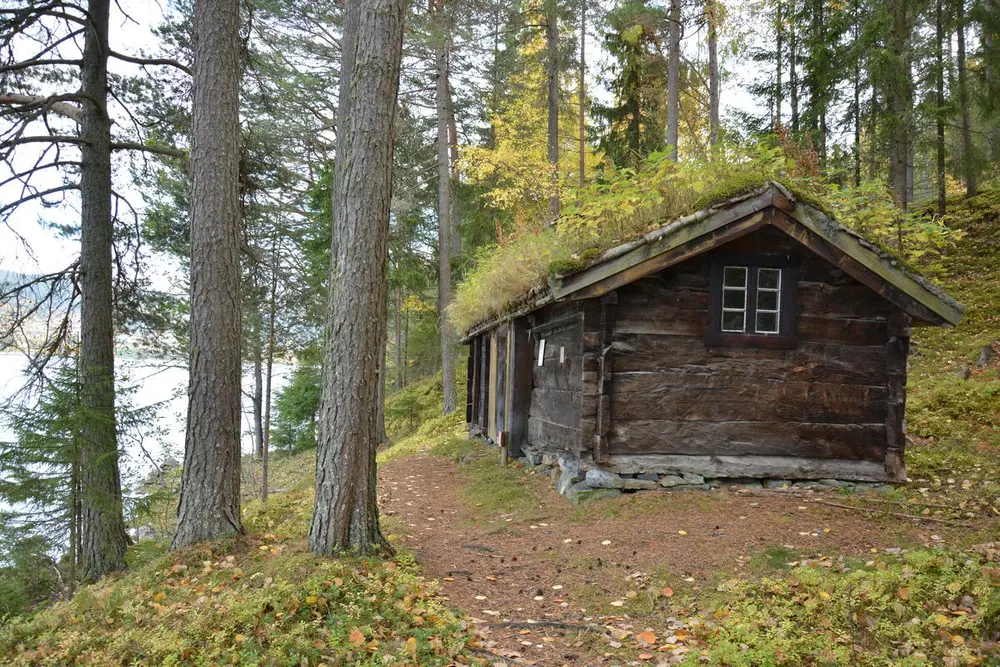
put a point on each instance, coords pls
(631, 203)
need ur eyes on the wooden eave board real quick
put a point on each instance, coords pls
(821, 235)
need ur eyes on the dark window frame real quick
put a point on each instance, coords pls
(786, 337)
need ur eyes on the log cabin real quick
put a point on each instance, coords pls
(757, 339)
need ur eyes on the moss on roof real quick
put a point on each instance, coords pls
(614, 217)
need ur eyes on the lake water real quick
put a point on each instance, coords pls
(157, 382)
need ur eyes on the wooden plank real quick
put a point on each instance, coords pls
(864, 442)
(846, 251)
(470, 383)
(851, 300)
(718, 397)
(522, 356)
(809, 362)
(841, 330)
(775, 467)
(897, 349)
(557, 407)
(547, 436)
(706, 233)
(491, 424)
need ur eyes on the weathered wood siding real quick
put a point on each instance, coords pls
(554, 422)
(826, 399)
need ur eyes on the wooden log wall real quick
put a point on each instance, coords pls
(831, 397)
(555, 413)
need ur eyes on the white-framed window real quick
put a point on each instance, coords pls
(768, 311)
(541, 352)
(734, 298)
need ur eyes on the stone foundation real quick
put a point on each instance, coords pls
(580, 482)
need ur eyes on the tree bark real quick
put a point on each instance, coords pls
(939, 143)
(856, 109)
(102, 523)
(582, 157)
(456, 210)
(898, 99)
(398, 333)
(272, 311)
(793, 75)
(778, 55)
(714, 126)
(444, 210)
(257, 399)
(552, 52)
(210, 483)
(345, 518)
(968, 148)
(673, 79)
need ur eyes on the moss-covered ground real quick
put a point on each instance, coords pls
(264, 599)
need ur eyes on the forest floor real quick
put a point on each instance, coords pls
(623, 581)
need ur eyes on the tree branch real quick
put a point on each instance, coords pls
(152, 61)
(37, 195)
(169, 151)
(55, 103)
(50, 138)
(38, 62)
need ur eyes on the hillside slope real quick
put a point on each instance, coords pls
(264, 599)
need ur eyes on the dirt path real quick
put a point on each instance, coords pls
(605, 565)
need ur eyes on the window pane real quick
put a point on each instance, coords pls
(734, 276)
(767, 323)
(769, 278)
(734, 298)
(733, 321)
(767, 300)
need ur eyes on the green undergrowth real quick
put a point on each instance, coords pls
(917, 608)
(630, 203)
(953, 407)
(259, 599)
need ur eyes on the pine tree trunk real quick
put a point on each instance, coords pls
(456, 209)
(714, 131)
(210, 482)
(968, 148)
(582, 157)
(898, 99)
(345, 518)
(272, 312)
(400, 358)
(793, 75)
(856, 110)
(257, 399)
(444, 214)
(102, 524)
(552, 52)
(673, 79)
(778, 55)
(940, 100)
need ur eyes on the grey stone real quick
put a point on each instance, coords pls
(777, 484)
(749, 484)
(671, 480)
(567, 479)
(648, 475)
(548, 459)
(534, 458)
(689, 487)
(603, 479)
(145, 532)
(580, 493)
(638, 484)
(690, 478)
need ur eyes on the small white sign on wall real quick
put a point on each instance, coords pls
(562, 355)
(541, 352)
